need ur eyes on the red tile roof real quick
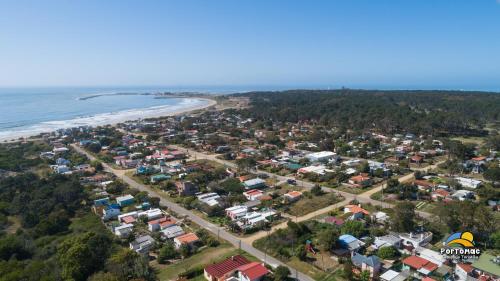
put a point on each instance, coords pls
(357, 209)
(220, 269)
(428, 279)
(253, 270)
(128, 219)
(419, 262)
(163, 221)
(187, 238)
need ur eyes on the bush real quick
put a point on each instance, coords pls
(192, 272)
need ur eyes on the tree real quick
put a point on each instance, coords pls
(495, 240)
(348, 269)
(281, 273)
(492, 174)
(387, 252)
(364, 276)
(97, 165)
(102, 276)
(94, 147)
(300, 252)
(403, 219)
(167, 252)
(185, 251)
(327, 239)
(246, 164)
(316, 190)
(83, 255)
(127, 265)
(354, 228)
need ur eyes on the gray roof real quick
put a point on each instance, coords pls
(358, 260)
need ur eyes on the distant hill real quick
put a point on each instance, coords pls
(430, 112)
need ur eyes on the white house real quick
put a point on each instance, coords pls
(322, 156)
(468, 182)
(142, 244)
(253, 194)
(236, 212)
(172, 231)
(211, 199)
(123, 230)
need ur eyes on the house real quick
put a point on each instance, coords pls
(356, 210)
(415, 240)
(186, 239)
(350, 242)
(431, 256)
(172, 231)
(236, 212)
(124, 230)
(254, 183)
(223, 270)
(101, 202)
(142, 244)
(211, 199)
(334, 220)
(322, 156)
(419, 266)
(316, 169)
(293, 196)
(159, 178)
(151, 214)
(463, 271)
(361, 180)
(369, 263)
(391, 275)
(380, 217)
(423, 185)
(253, 194)
(417, 159)
(253, 271)
(161, 223)
(463, 195)
(252, 219)
(110, 212)
(125, 200)
(128, 217)
(387, 241)
(468, 182)
(440, 194)
(186, 188)
(61, 169)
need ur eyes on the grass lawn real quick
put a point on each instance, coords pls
(467, 140)
(306, 268)
(205, 257)
(307, 205)
(354, 190)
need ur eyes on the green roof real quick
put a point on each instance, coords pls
(485, 263)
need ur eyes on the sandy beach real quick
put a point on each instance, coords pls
(111, 118)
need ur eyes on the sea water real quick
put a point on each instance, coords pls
(27, 112)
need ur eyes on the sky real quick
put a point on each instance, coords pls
(445, 44)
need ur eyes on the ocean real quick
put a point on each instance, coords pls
(27, 112)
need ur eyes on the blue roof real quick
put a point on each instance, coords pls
(347, 238)
(358, 260)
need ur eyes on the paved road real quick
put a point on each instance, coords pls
(362, 198)
(219, 231)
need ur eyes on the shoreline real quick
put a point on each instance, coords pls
(146, 113)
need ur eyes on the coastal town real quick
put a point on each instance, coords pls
(214, 195)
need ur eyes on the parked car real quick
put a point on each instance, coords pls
(263, 176)
(291, 181)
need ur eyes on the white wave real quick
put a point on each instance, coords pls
(104, 118)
